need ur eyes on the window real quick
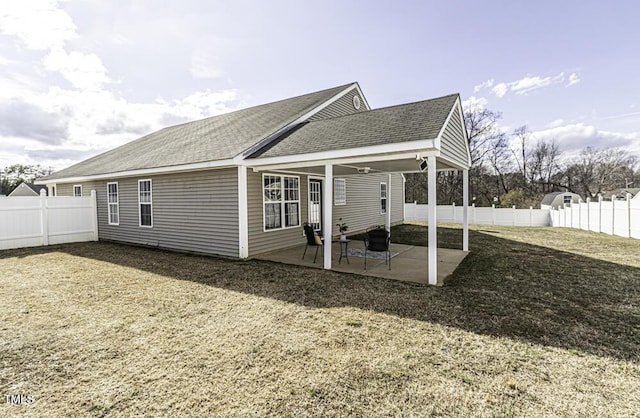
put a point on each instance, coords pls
(339, 192)
(383, 197)
(567, 199)
(281, 201)
(144, 200)
(356, 102)
(112, 204)
(77, 190)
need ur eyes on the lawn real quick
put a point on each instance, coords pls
(535, 322)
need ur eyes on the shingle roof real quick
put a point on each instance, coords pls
(215, 138)
(402, 123)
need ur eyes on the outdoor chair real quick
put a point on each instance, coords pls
(313, 240)
(377, 240)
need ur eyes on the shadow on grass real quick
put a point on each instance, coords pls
(503, 288)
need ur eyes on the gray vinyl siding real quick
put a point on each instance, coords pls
(453, 146)
(261, 241)
(193, 212)
(362, 210)
(342, 106)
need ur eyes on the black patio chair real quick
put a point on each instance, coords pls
(377, 240)
(313, 240)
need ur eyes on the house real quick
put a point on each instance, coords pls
(558, 199)
(621, 194)
(243, 183)
(25, 189)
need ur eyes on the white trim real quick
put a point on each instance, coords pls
(444, 126)
(465, 210)
(343, 189)
(74, 190)
(328, 214)
(51, 189)
(400, 150)
(117, 203)
(282, 203)
(145, 172)
(150, 203)
(321, 179)
(386, 198)
(243, 213)
(364, 99)
(464, 129)
(389, 203)
(432, 245)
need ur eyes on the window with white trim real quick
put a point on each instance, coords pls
(77, 190)
(281, 201)
(383, 197)
(339, 192)
(113, 206)
(145, 203)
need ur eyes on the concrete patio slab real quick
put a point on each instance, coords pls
(409, 264)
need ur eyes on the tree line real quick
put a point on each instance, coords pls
(12, 176)
(515, 168)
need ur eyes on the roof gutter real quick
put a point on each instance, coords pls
(207, 165)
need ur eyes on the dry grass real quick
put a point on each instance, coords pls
(535, 322)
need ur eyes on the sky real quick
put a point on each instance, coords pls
(80, 77)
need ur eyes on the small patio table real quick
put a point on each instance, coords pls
(344, 249)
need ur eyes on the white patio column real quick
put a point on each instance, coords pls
(431, 217)
(389, 204)
(328, 213)
(465, 210)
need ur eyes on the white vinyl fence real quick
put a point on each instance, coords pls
(615, 217)
(480, 215)
(42, 220)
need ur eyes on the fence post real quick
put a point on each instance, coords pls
(614, 199)
(599, 213)
(453, 212)
(513, 215)
(628, 215)
(44, 217)
(580, 213)
(493, 214)
(473, 205)
(530, 215)
(94, 214)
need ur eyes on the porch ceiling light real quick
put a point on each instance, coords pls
(364, 170)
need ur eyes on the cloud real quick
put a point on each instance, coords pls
(40, 25)
(526, 84)
(205, 64)
(500, 90)
(556, 123)
(486, 84)
(474, 103)
(83, 71)
(119, 124)
(578, 136)
(573, 79)
(24, 120)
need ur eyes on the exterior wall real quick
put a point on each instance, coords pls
(261, 241)
(342, 106)
(362, 210)
(452, 141)
(194, 212)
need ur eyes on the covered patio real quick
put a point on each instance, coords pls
(427, 136)
(407, 262)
